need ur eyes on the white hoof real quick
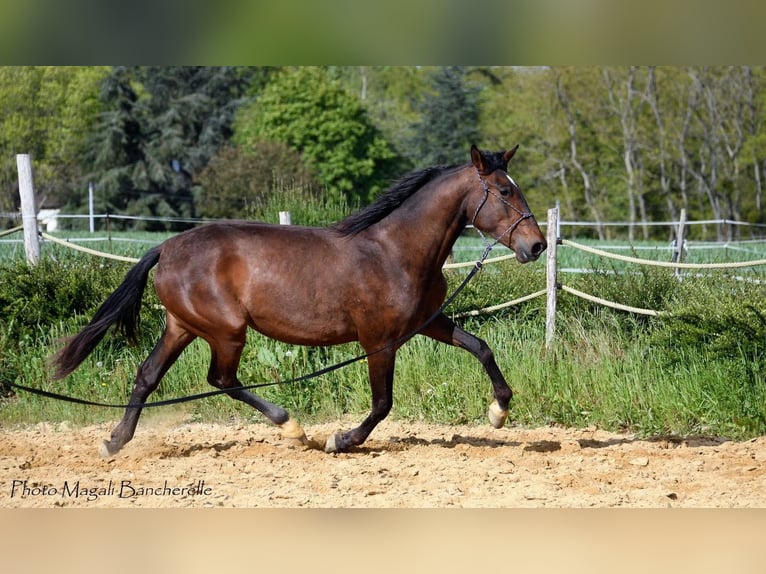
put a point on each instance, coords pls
(103, 450)
(331, 446)
(497, 415)
(291, 429)
(294, 433)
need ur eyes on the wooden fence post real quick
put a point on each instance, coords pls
(28, 209)
(91, 217)
(551, 275)
(679, 243)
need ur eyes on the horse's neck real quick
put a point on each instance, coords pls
(426, 228)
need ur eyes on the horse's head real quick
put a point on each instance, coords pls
(499, 209)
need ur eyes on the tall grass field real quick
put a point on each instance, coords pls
(696, 369)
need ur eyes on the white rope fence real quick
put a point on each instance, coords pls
(611, 304)
(554, 241)
(472, 263)
(87, 249)
(11, 230)
(494, 308)
(671, 264)
(507, 304)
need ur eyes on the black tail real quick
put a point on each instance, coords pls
(122, 307)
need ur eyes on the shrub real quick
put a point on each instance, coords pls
(53, 296)
(237, 182)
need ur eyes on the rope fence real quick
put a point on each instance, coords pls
(31, 238)
(613, 305)
(554, 285)
(670, 264)
(83, 249)
(493, 308)
(11, 231)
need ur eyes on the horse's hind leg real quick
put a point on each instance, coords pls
(223, 375)
(174, 340)
(444, 330)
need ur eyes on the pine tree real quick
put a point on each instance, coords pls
(162, 126)
(449, 121)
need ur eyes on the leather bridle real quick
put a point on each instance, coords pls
(526, 214)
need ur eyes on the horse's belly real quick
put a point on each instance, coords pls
(314, 321)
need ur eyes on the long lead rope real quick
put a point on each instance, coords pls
(58, 396)
(476, 268)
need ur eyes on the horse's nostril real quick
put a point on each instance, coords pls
(538, 248)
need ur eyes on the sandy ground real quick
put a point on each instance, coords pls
(172, 463)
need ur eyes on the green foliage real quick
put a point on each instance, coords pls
(34, 298)
(389, 94)
(316, 210)
(727, 321)
(448, 119)
(44, 112)
(498, 283)
(307, 110)
(239, 182)
(160, 127)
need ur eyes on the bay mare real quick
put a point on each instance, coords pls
(374, 277)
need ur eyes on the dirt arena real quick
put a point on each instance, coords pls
(173, 463)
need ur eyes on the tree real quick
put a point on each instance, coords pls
(637, 144)
(307, 110)
(162, 126)
(387, 94)
(46, 112)
(449, 118)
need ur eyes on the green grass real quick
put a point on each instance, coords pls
(699, 370)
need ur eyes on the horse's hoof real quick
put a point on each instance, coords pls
(294, 433)
(331, 445)
(292, 430)
(304, 442)
(497, 415)
(104, 451)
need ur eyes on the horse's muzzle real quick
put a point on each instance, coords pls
(525, 254)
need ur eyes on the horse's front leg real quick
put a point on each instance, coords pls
(381, 371)
(444, 329)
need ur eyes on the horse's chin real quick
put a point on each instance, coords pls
(522, 257)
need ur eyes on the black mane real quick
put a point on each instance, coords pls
(388, 202)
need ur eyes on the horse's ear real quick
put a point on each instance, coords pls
(509, 154)
(477, 158)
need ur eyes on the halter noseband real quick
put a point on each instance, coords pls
(511, 228)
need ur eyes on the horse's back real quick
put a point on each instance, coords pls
(281, 280)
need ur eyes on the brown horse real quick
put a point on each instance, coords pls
(374, 277)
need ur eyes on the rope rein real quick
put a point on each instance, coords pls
(477, 267)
